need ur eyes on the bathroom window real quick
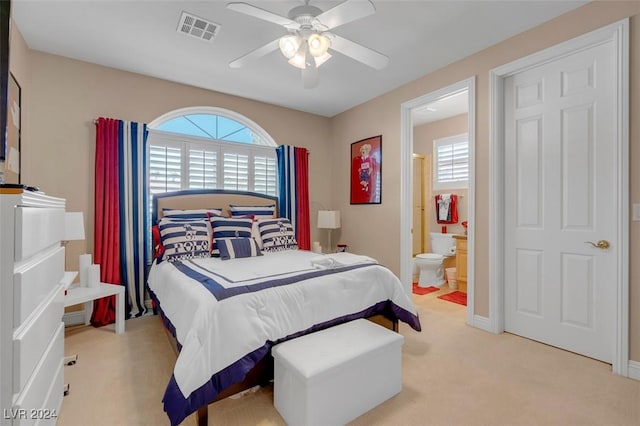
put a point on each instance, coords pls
(451, 162)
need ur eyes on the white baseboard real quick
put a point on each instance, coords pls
(482, 323)
(634, 370)
(73, 318)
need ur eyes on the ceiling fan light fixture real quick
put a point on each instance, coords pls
(298, 60)
(289, 45)
(318, 44)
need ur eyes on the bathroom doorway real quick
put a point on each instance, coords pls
(448, 112)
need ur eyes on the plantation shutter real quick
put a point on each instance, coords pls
(165, 167)
(203, 167)
(235, 171)
(451, 162)
(264, 175)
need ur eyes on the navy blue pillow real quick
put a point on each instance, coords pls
(184, 239)
(224, 227)
(235, 248)
(257, 212)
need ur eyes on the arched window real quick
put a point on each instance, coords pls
(210, 148)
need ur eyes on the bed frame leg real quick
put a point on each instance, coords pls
(203, 416)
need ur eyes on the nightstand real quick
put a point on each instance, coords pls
(77, 295)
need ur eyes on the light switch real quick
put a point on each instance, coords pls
(636, 212)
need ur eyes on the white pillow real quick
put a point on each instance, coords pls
(277, 234)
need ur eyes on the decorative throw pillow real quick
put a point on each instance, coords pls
(257, 212)
(190, 214)
(158, 248)
(224, 227)
(235, 248)
(255, 233)
(184, 239)
(277, 235)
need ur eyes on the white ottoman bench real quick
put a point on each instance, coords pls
(335, 375)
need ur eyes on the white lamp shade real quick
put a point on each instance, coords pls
(328, 219)
(318, 44)
(289, 45)
(74, 226)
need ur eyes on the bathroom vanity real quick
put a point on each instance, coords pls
(461, 262)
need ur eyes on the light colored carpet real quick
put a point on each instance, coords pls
(453, 375)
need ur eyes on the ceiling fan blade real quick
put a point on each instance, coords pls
(310, 71)
(358, 52)
(265, 15)
(346, 12)
(255, 54)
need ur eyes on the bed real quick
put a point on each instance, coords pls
(227, 312)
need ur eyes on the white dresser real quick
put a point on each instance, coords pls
(31, 307)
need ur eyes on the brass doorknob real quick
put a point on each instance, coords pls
(602, 244)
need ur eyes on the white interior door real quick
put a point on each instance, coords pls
(560, 193)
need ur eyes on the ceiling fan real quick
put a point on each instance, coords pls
(308, 41)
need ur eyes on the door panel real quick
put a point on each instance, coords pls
(559, 192)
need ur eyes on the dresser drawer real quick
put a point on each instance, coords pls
(44, 380)
(37, 229)
(34, 281)
(52, 405)
(32, 340)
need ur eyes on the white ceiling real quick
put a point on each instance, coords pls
(448, 106)
(140, 36)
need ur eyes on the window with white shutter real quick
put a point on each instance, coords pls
(451, 162)
(204, 150)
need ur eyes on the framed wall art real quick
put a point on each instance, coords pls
(12, 160)
(366, 171)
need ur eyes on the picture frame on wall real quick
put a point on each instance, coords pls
(14, 122)
(5, 17)
(366, 171)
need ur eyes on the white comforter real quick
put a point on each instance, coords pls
(215, 333)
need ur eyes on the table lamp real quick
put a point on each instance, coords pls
(329, 219)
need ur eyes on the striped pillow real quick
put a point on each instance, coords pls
(258, 212)
(277, 235)
(255, 233)
(224, 227)
(190, 214)
(235, 248)
(184, 239)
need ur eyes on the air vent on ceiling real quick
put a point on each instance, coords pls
(197, 27)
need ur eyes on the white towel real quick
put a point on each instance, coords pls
(338, 260)
(443, 206)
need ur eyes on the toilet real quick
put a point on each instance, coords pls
(430, 265)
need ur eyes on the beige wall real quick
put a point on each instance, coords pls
(61, 97)
(423, 137)
(382, 116)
